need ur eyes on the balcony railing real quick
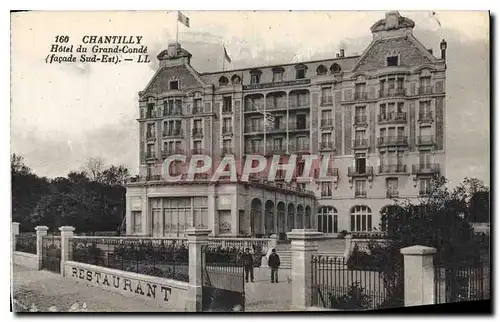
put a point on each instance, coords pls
(150, 115)
(360, 143)
(424, 192)
(392, 140)
(197, 131)
(327, 123)
(360, 120)
(425, 116)
(173, 112)
(254, 150)
(150, 155)
(197, 151)
(392, 92)
(425, 140)
(360, 193)
(253, 129)
(294, 104)
(391, 193)
(425, 90)
(302, 147)
(227, 109)
(392, 117)
(271, 129)
(172, 132)
(429, 168)
(150, 135)
(271, 150)
(360, 96)
(197, 110)
(328, 100)
(360, 171)
(298, 127)
(154, 177)
(392, 168)
(332, 172)
(326, 145)
(253, 107)
(327, 193)
(227, 129)
(166, 152)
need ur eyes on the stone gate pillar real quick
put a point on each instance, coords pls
(40, 232)
(14, 233)
(304, 246)
(66, 245)
(197, 238)
(419, 275)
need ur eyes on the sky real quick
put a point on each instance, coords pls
(63, 114)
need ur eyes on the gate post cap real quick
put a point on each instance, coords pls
(310, 234)
(418, 250)
(66, 228)
(198, 231)
(41, 228)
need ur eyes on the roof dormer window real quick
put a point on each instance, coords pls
(174, 85)
(277, 74)
(300, 71)
(255, 76)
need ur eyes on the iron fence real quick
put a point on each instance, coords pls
(337, 285)
(51, 253)
(26, 244)
(160, 257)
(457, 282)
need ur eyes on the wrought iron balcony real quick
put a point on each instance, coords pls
(425, 90)
(172, 112)
(253, 107)
(254, 129)
(328, 145)
(197, 131)
(429, 168)
(360, 193)
(197, 151)
(425, 116)
(392, 92)
(302, 147)
(227, 129)
(391, 193)
(295, 104)
(360, 96)
(172, 132)
(298, 127)
(360, 120)
(254, 150)
(167, 152)
(326, 123)
(360, 171)
(392, 168)
(425, 140)
(392, 117)
(393, 141)
(150, 155)
(360, 143)
(271, 150)
(274, 129)
(154, 177)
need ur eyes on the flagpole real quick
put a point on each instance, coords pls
(177, 29)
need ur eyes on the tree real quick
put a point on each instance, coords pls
(17, 165)
(115, 176)
(93, 168)
(479, 207)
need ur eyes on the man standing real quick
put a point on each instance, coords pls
(274, 264)
(247, 260)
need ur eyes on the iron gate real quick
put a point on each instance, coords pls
(51, 253)
(223, 282)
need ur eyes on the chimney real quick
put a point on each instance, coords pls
(430, 51)
(443, 45)
(337, 55)
(341, 53)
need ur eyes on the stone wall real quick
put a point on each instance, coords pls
(25, 259)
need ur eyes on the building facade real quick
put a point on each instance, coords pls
(379, 117)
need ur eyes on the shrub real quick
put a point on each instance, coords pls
(354, 299)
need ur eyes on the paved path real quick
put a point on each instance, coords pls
(46, 289)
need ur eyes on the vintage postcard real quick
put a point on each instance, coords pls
(250, 161)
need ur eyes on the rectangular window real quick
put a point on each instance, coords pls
(226, 125)
(392, 61)
(360, 189)
(278, 144)
(136, 221)
(425, 159)
(301, 121)
(255, 79)
(197, 107)
(326, 189)
(326, 118)
(425, 186)
(392, 187)
(326, 95)
(335, 224)
(326, 138)
(227, 104)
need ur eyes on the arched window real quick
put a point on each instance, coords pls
(321, 70)
(361, 219)
(223, 81)
(335, 69)
(236, 80)
(328, 220)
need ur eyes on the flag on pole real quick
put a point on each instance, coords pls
(183, 19)
(226, 56)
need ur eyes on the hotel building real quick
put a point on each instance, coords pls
(379, 116)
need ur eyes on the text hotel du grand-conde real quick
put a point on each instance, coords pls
(97, 49)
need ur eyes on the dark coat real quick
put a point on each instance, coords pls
(247, 259)
(274, 261)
